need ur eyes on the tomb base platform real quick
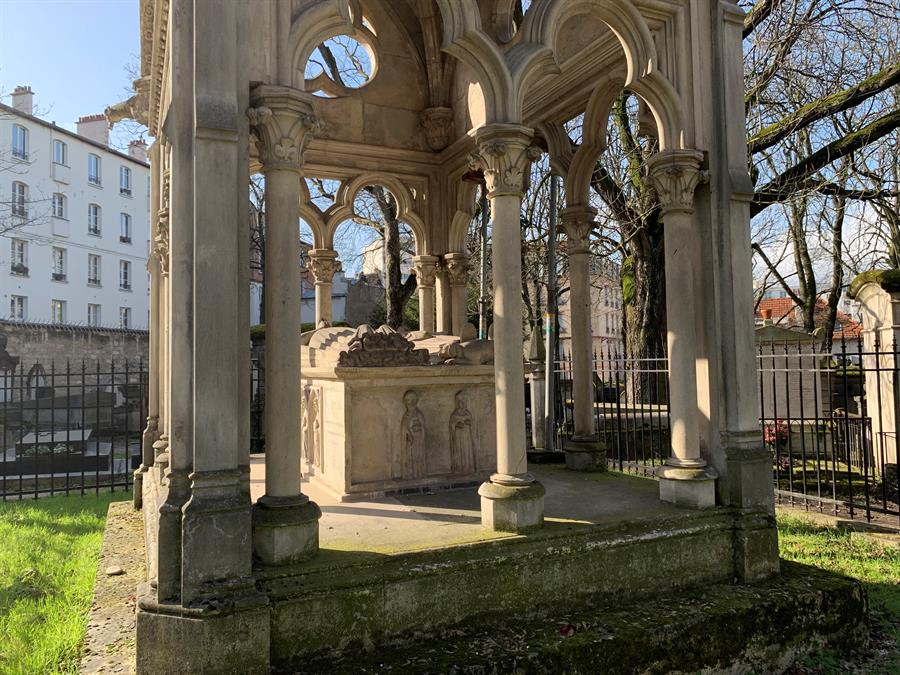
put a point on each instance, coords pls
(423, 563)
(723, 628)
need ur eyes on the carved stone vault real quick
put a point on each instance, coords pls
(451, 89)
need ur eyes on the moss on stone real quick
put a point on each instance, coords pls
(889, 280)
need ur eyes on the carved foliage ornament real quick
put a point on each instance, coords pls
(674, 175)
(161, 235)
(426, 272)
(505, 164)
(457, 267)
(324, 268)
(577, 223)
(282, 136)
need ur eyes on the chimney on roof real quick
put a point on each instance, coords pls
(23, 99)
(138, 150)
(94, 127)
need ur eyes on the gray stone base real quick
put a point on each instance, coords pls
(695, 488)
(512, 508)
(222, 641)
(285, 532)
(714, 629)
(585, 455)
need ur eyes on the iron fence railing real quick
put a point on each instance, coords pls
(830, 420)
(70, 428)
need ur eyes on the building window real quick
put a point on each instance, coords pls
(124, 228)
(94, 219)
(93, 269)
(124, 275)
(19, 142)
(19, 199)
(18, 307)
(58, 311)
(19, 258)
(124, 317)
(60, 153)
(93, 315)
(59, 205)
(59, 264)
(125, 181)
(94, 169)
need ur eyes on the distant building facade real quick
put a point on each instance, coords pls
(607, 313)
(74, 222)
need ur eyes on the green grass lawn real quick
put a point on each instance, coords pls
(48, 561)
(879, 570)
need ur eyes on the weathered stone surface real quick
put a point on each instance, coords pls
(585, 455)
(512, 509)
(735, 629)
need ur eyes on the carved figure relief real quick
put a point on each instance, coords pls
(311, 428)
(304, 425)
(412, 429)
(462, 437)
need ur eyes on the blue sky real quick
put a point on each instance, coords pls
(73, 53)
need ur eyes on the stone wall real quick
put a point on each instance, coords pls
(33, 343)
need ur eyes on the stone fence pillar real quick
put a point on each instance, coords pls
(685, 478)
(878, 293)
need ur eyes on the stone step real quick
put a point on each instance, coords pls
(758, 628)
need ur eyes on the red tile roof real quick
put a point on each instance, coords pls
(784, 312)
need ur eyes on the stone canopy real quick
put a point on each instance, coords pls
(445, 99)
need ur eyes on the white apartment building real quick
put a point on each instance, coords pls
(74, 222)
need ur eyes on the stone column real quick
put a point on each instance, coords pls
(324, 265)
(442, 302)
(685, 478)
(286, 522)
(426, 267)
(511, 500)
(151, 431)
(457, 266)
(537, 355)
(583, 451)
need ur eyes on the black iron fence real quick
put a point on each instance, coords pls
(70, 428)
(830, 420)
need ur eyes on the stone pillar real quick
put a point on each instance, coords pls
(511, 500)
(286, 522)
(537, 355)
(442, 301)
(324, 265)
(426, 267)
(151, 431)
(457, 266)
(583, 451)
(685, 478)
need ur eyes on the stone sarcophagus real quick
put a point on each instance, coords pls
(381, 416)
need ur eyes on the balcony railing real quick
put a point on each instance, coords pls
(124, 239)
(58, 276)
(19, 269)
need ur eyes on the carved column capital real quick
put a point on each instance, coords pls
(674, 174)
(438, 126)
(282, 122)
(324, 265)
(505, 155)
(577, 222)
(456, 265)
(425, 267)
